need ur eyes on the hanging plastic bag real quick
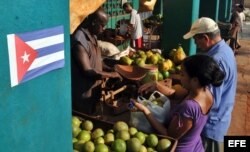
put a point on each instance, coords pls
(146, 5)
(159, 111)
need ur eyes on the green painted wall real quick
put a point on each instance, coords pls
(35, 116)
(209, 8)
(225, 10)
(115, 11)
(178, 17)
(158, 9)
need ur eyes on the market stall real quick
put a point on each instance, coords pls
(136, 68)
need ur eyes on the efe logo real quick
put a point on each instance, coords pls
(237, 143)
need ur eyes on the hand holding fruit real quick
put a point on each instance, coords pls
(140, 107)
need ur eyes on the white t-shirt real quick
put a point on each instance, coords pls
(136, 21)
(242, 17)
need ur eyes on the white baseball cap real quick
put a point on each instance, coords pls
(202, 25)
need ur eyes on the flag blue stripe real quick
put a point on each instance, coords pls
(29, 36)
(50, 49)
(41, 70)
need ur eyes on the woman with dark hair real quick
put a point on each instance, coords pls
(190, 108)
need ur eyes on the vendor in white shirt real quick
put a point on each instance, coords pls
(135, 26)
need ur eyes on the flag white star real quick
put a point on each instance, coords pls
(25, 57)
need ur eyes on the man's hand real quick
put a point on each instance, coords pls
(116, 75)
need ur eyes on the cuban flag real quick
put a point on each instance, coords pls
(34, 53)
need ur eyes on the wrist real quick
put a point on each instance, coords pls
(146, 112)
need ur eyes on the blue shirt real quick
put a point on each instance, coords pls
(224, 96)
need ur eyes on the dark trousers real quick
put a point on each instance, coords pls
(211, 145)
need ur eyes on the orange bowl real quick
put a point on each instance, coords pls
(131, 72)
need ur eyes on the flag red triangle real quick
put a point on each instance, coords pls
(25, 55)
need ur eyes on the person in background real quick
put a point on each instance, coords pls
(207, 38)
(87, 69)
(188, 117)
(135, 26)
(236, 22)
(242, 15)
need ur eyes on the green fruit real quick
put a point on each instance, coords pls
(160, 76)
(132, 131)
(178, 68)
(75, 130)
(144, 57)
(74, 140)
(161, 60)
(152, 140)
(143, 149)
(97, 133)
(79, 145)
(88, 147)
(124, 135)
(109, 138)
(101, 148)
(179, 55)
(153, 59)
(118, 145)
(99, 140)
(166, 65)
(134, 145)
(76, 121)
(149, 53)
(110, 131)
(163, 145)
(140, 135)
(150, 149)
(140, 62)
(120, 125)
(165, 74)
(171, 53)
(158, 55)
(84, 135)
(126, 60)
(155, 102)
(87, 125)
(140, 52)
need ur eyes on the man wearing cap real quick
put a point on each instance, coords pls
(207, 38)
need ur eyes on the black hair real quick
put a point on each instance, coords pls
(125, 5)
(205, 69)
(93, 17)
(241, 6)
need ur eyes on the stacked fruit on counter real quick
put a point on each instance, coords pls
(166, 66)
(120, 138)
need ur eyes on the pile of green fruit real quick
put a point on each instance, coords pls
(120, 138)
(166, 66)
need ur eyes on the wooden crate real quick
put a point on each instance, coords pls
(106, 125)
